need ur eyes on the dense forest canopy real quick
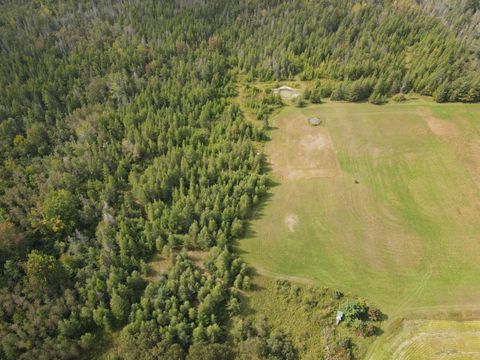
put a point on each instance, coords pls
(119, 139)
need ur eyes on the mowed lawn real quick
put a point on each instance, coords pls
(433, 339)
(379, 201)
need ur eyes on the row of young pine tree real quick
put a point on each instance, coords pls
(119, 139)
(390, 48)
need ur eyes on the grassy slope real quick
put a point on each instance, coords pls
(406, 236)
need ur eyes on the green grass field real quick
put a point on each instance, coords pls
(432, 339)
(379, 201)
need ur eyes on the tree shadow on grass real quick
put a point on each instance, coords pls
(383, 316)
(246, 307)
(257, 213)
(378, 331)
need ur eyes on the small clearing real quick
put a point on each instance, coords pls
(157, 266)
(198, 258)
(160, 265)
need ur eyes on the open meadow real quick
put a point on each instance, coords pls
(431, 339)
(382, 202)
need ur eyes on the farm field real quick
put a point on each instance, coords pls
(434, 338)
(379, 201)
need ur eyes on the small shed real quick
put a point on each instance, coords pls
(314, 121)
(339, 317)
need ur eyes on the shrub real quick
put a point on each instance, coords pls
(354, 310)
(299, 102)
(337, 295)
(374, 314)
(279, 346)
(345, 343)
(442, 94)
(399, 98)
(316, 96)
(377, 99)
(338, 94)
(369, 330)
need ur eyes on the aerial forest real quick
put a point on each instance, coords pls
(120, 139)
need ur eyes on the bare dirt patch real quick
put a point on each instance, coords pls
(291, 220)
(160, 265)
(301, 151)
(312, 142)
(440, 128)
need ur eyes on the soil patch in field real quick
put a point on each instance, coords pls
(301, 151)
(440, 128)
(291, 220)
(466, 147)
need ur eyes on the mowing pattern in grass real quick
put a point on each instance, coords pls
(436, 339)
(386, 206)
